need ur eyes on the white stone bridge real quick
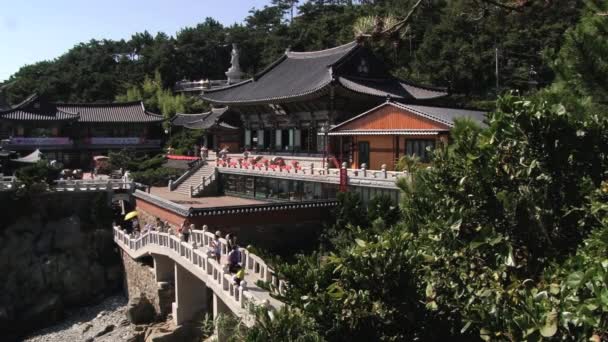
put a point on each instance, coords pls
(195, 273)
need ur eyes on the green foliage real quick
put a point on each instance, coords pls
(286, 325)
(144, 169)
(581, 64)
(502, 239)
(156, 177)
(161, 100)
(409, 163)
(184, 140)
(37, 177)
(499, 208)
(447, 43)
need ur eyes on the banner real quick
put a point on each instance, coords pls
(343, 179)
(40, 141)
(115, 141)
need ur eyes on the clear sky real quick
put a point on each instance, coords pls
(36, 30)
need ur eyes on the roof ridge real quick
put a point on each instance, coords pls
(322, 53)
(99, 104)
(446, 107)
(414, 84)
(25, 102)
(230, 86)
(426, 115)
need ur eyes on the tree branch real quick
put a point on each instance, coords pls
(400, 24)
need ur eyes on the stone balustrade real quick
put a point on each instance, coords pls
(360, 177)
(7, 183)
(93, 185)
(255, 267)
(215, 275)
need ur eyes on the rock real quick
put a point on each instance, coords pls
(140, 310)
(47, 309)
(67, 233)
(44, 242)
(86, 328)
(90, 339)
(105, 330)
(165, 332)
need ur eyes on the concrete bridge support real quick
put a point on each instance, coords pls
(191, 296)
(164, 268)
(219, 308)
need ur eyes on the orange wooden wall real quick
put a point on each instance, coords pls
(391, 117)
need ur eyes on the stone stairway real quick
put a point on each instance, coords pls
(195, 179)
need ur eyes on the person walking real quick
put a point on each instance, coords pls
(204, 153)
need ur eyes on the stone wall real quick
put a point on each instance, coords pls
(56, 252)
(140, 280)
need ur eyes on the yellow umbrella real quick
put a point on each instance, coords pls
(131, 215)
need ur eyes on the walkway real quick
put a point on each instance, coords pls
(194, 257)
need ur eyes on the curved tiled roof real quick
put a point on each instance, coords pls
(33, 109)
(180, 119)
(390, 87)
(25, 115)
(202, 120)
(294, 75)
(299, 75)
(111, 112)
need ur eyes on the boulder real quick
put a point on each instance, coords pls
(140, 310)
(166, 332)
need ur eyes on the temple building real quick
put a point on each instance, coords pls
(284, 107)
(391, 130)
(305, 104)
(74, 132)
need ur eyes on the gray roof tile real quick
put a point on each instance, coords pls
(33, 109)
(300, 75)
(111, 112)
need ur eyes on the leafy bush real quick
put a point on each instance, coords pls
(156, 177)
(40, 172)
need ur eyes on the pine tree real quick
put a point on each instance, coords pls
(582, 63)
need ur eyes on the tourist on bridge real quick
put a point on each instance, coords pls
(160, 225)
(234, 259)
(231, 241)
(184, 230)
(216, 246)
(239, 276)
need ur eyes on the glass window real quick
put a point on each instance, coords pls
(261, 187)
(419, 148)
